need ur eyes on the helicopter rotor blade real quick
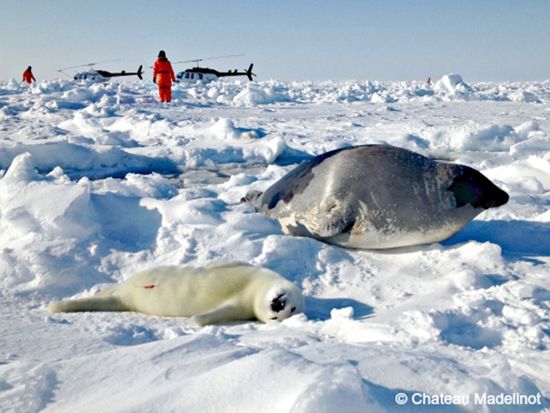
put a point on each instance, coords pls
(184, 61)
(209, 58)
(223, 57)
(189, 61)
(88, 64)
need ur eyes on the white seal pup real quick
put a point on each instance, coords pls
(377, 196)
(218, 293)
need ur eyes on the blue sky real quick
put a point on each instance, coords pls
(287, 40)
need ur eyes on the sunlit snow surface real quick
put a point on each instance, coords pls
(100, 181)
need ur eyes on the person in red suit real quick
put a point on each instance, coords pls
(163, 76)
(28, 76)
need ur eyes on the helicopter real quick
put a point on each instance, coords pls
(206, 74)
(98, 75)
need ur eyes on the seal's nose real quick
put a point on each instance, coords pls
(496, 198)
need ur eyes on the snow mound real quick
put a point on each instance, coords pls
(21, 169)
(79, 160)
(224, 129)
(453, 85)
(59, 224)
(253, 95)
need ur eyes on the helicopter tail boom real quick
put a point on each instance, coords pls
(248, 73)
(106, 74)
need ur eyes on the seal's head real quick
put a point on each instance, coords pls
(471, 187)
(280, 303)
(252, 198)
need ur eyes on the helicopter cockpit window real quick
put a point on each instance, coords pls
(187, 75)
(200, 76)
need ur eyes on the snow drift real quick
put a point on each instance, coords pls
(100, 181)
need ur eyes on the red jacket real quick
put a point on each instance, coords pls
(163, 73)
(28, 76)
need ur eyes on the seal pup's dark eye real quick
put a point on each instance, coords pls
(278, 303)
(292, 310)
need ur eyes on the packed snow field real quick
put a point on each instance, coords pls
(100, 181)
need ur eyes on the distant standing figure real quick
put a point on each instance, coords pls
(28, 76)
(429, 81)
(163, 76)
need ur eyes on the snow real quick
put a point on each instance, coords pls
(99, 181)
(452, 85)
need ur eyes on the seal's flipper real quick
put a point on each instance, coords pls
(252, 198)
(222, 314)
(107, 303)
(338, 218)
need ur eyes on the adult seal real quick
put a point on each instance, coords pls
(218, 293)
(376, 197)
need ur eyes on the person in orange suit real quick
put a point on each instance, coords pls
(28, 76)
(163, 76)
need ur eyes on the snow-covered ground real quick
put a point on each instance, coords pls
(100, 181)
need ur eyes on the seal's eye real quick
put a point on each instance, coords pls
(292, 310)
(278, 303)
